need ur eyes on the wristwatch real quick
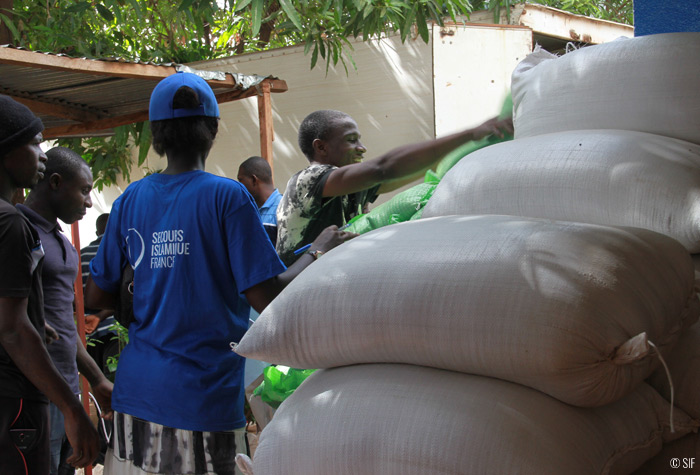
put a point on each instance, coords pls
(315, 254)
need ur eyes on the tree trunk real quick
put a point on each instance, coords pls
(6, 7)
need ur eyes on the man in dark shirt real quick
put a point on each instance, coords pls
(63, 193)
(27, 375)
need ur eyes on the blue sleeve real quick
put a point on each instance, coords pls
(106, 267)
(251, 255)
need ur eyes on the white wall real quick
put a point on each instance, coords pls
(390, 95)
(395, 95)
(473, 66)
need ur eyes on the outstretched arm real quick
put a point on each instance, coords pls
(26, 348)
(260, 295)
(403, 164)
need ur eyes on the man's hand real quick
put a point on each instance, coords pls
(103, 393)
(495, 126)
(330, 238)
(51, 334)
(91, 322)
(82, 437)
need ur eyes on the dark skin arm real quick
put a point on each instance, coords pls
(101, 386)
(259, 296)
(404, 164)
(92, 321)
(26, 348)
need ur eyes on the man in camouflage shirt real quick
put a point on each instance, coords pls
(338, 185)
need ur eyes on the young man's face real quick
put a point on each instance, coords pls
(343, 146)
(72, 196)
(25, 164)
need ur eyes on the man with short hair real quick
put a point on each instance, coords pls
(27, 375)
(337, 185)
(63, 193)
(256, 175)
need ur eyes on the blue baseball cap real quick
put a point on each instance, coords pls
(161, 105)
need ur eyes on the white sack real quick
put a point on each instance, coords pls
(565, 308)
(684, 365)
(405, 420)
(647, 84)
(685, 451)
(610, 177)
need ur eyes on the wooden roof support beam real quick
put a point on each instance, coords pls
(107, 68)
(87, 128)
(269, 85)
(265, 121)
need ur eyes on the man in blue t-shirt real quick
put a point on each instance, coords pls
(201, 258)
(256, 175)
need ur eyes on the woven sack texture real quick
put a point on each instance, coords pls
(387, 419)
(684, 365)
(646, 84)
(687, 452)
(611, 177)
(566, 308)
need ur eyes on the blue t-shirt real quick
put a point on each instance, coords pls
(268, 215)
(196, 243)
(268, 211)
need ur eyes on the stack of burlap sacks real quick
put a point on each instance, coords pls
(520, 325)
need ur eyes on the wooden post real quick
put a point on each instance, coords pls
(80, 317)
(265, 119)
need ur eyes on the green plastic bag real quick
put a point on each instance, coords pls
(460, 152)
(397, 210)
(279, 382)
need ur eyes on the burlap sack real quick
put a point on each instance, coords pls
(566, 308)
(684, 366)
(611, 177)
(401, 419)
(647, 84)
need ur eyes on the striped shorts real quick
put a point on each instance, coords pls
(139, 447)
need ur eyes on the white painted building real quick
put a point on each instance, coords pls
(399, 93)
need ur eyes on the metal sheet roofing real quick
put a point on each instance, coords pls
(82, 97)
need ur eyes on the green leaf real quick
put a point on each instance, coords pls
(137, 9)
(144, 143)
(256, 16)
(104, 12)
(10, 26)
(241, 5)
(185, 5)
(314, 56)
(291, 13)
(422, 26)
(410, 17)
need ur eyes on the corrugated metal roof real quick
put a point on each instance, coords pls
(81, 96)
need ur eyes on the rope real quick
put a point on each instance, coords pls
(670, 382)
